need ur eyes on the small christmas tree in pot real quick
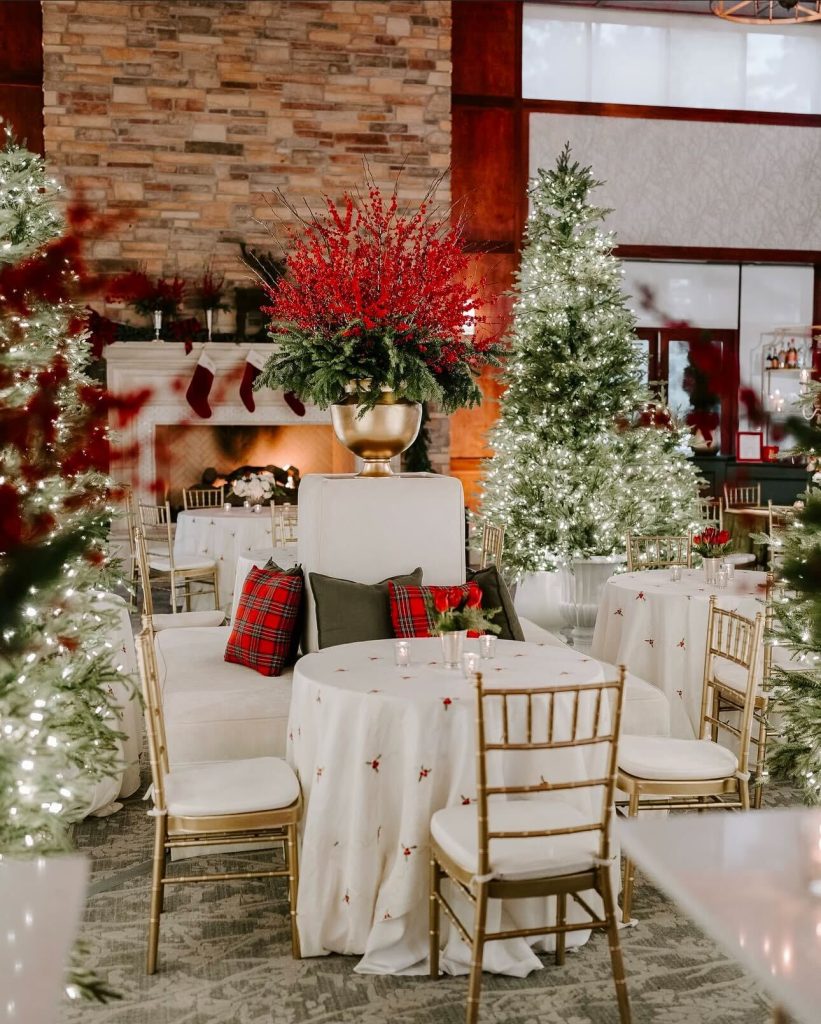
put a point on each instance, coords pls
(573, 468)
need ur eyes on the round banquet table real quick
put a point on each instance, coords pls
(378, 749)
(223, 534)
(658, 628)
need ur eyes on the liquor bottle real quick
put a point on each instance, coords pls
(768, 360)
(782, 358)
(792, 354)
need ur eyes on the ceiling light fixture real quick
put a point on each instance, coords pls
(763, 12)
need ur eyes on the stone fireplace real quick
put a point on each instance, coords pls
(168, 446)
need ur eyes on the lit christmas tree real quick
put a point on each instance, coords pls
(580, 455)
(795, 680)
(57, 719)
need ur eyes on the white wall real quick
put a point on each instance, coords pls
(693, 183)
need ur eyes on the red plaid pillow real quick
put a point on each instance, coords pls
(410, 612)
(266, 627)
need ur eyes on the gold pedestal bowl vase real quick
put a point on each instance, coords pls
(380, 433)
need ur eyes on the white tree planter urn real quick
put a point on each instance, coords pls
(582, 585)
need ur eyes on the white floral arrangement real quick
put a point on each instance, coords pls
(255, 487)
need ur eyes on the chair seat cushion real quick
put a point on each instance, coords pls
(455, 830)
(231, 787)
(664, 758)
(182, 562)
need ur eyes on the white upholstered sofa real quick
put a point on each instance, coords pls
(356, 529)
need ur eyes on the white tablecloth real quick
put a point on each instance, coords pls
(378, 750)
(658, 628)
(126, 781)
(224, 536)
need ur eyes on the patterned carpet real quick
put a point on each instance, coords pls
(225, 959)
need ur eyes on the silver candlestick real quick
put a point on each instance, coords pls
(157, 324)
(209, 320)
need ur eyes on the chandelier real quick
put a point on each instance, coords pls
(775, 12)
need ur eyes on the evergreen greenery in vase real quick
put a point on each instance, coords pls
(572, 470)
(376, 298)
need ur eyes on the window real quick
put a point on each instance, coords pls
(675, 60)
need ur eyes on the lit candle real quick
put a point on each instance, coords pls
(401, 652)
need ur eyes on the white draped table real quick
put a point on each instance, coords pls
(224, 535)
(658, 628)
(378, 749)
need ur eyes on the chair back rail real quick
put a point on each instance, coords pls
(203, 497)
(138, 541)
(658, 552)
(535, 729)
(742, 495)
(154, 719)
(737, 639)
(155, 523)
(493, 543)
(284, 522)
(711, 512)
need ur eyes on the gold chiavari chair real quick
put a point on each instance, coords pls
(203, 497)
(162, 621)
(730, 697)
(742, 495)
(128, 517)
(711, 512)
(506, 848)
(675, 774)
(284, 520)
(493, 543)
(231, 803)
(166, 569)
(658, 552)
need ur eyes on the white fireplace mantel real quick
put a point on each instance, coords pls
(166, 370)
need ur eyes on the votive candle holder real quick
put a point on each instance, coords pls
(470, 663)
(487, 646)
(401, 653)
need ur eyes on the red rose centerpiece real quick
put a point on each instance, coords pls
(375, 314)
(454, 613)
(712, 545)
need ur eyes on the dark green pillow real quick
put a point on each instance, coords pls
(347, 612)
(496, 595)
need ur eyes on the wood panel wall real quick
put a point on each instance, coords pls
(488, 179)
(21, 70)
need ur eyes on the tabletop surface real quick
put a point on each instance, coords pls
(746, 583)
(742, 878)
(223, 513)
(368, 667)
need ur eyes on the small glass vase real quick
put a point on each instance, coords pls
(453, 643)
(711, 567)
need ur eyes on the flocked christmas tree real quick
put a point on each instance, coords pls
(580, 456)
(59, 727)
(58, 722)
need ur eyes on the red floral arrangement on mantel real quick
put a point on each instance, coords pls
(377, 296)
(145, 295)
(712, 543)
